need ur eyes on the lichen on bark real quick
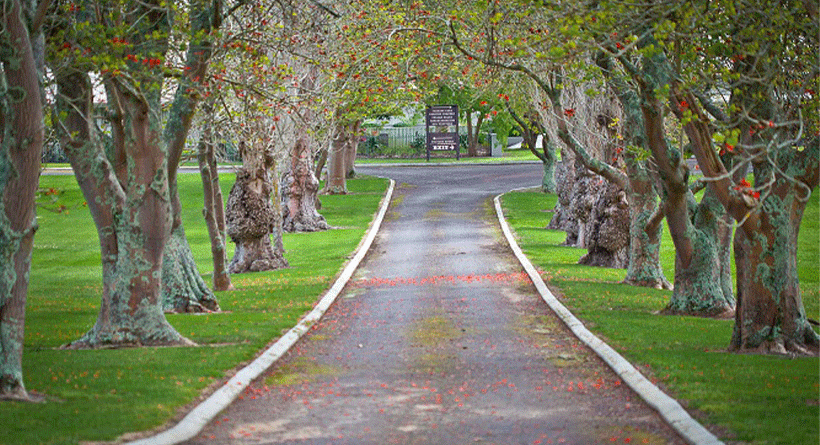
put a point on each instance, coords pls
(21, 143)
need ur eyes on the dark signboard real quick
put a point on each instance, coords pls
(442, 129)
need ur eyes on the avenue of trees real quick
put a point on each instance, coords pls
(624, 93)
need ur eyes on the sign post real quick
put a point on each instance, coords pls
(442, 129)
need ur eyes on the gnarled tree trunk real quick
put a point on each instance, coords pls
(607, 241)
(251, 217)
(299, 192)
(300, 186)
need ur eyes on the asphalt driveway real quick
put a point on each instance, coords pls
(440, 338)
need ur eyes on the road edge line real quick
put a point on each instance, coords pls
(196, 419)
(668, 408)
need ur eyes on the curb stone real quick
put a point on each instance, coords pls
(202, 414)
(668, 408)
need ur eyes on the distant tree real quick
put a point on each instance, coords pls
(213, 204)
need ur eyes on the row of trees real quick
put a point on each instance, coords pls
(732, 83)
(629, 93)
(625, 93)
(119, 85)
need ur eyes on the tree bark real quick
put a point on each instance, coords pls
(531, 128)
(565, 173)
(213, 209)
(336, 174)
(607, 241)
(300, 186)
(21, 120)
(129, 197)
(645, 215)
(299, 192)
(184, 290)
(644, 268)
(698, 287)
(131, 314)
(351, 149)
(770, 316)
(251, 217)
(600, 208)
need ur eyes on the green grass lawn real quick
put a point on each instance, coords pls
(99, 395)
(748, 398)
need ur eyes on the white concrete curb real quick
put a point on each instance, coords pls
(671, 411)
(203, 413)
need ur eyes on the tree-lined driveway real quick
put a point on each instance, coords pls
(440, 339)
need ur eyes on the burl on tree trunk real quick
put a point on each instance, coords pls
(251, 218)
(299, 190)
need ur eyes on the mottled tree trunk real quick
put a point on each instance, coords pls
(251, 217)
(700, 283)
(300, 186)
(770, 316)
(130, 195)
(131, 313)
(21, 142)
(698, 287)
(213, 209)
(183, 289)
(299, 191)
(548, 179)
(644, 268)
(598, 202)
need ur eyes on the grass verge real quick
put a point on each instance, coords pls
(99, 395)
(744, 398)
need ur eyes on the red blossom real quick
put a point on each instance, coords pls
(569, 112)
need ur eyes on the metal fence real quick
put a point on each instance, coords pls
(406, 142)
